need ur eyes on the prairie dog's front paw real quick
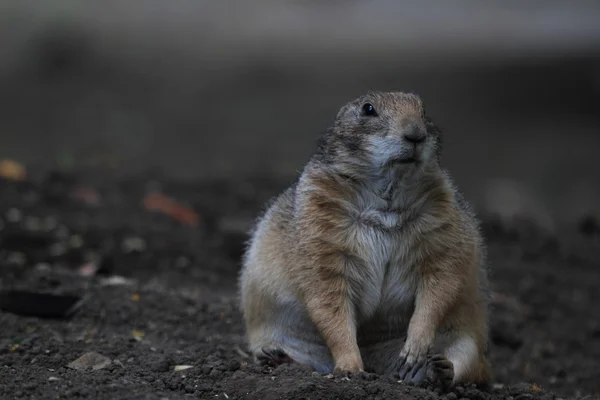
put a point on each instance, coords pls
(349, 363)
(412, 362)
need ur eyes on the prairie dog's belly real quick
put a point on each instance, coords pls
(394, 310)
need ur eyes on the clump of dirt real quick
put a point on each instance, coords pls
(160, 300)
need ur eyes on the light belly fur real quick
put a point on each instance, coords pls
(385, 297)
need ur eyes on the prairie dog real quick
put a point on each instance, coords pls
(372, 260)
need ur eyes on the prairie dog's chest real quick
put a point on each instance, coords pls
(384, 244)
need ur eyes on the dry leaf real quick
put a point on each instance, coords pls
(13, 347)
(10, 169)
(161, 203)
(137, 334)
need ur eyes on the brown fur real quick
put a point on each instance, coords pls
(368, 248)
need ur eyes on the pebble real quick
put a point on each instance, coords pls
(43, 267)
(16, 258)
(451, 396)
(131, 244)
(91, 360)
(76, 241)
(182, 262)
(57, 249)
(62, 232)
(32, 224)
(182, 367)
(49, 223)
(14, 215)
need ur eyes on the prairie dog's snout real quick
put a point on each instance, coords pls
(414, 132)
(405, 142)
(413, 135)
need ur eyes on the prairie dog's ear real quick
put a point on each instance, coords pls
(347, 113)
(343, 111)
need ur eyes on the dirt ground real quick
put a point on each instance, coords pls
(160, 292)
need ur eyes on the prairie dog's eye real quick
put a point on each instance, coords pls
(369, 110)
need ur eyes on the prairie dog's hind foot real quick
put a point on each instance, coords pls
(440, 371)
(272, 357)
(435, 370)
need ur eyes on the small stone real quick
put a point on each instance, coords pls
(57, 249)
(76, 241)
(16, 258)
(182, 262)
(43, 267)
(49, 223)
(238, 375)
(14, 215)
(32, 224)
(116, 280)
(62, 232)
(182, 367)
(131, 244)
(451, 396)
(53, 379)
(91, 360)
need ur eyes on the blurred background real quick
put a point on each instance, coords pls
(240, 90)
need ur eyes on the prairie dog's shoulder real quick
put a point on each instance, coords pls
(279, 211)
(470, 228)
(465, 210)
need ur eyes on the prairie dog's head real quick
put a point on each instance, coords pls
(380, 130)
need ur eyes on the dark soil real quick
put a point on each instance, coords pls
(179, 305)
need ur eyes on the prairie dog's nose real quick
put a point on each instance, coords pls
(413, 133)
